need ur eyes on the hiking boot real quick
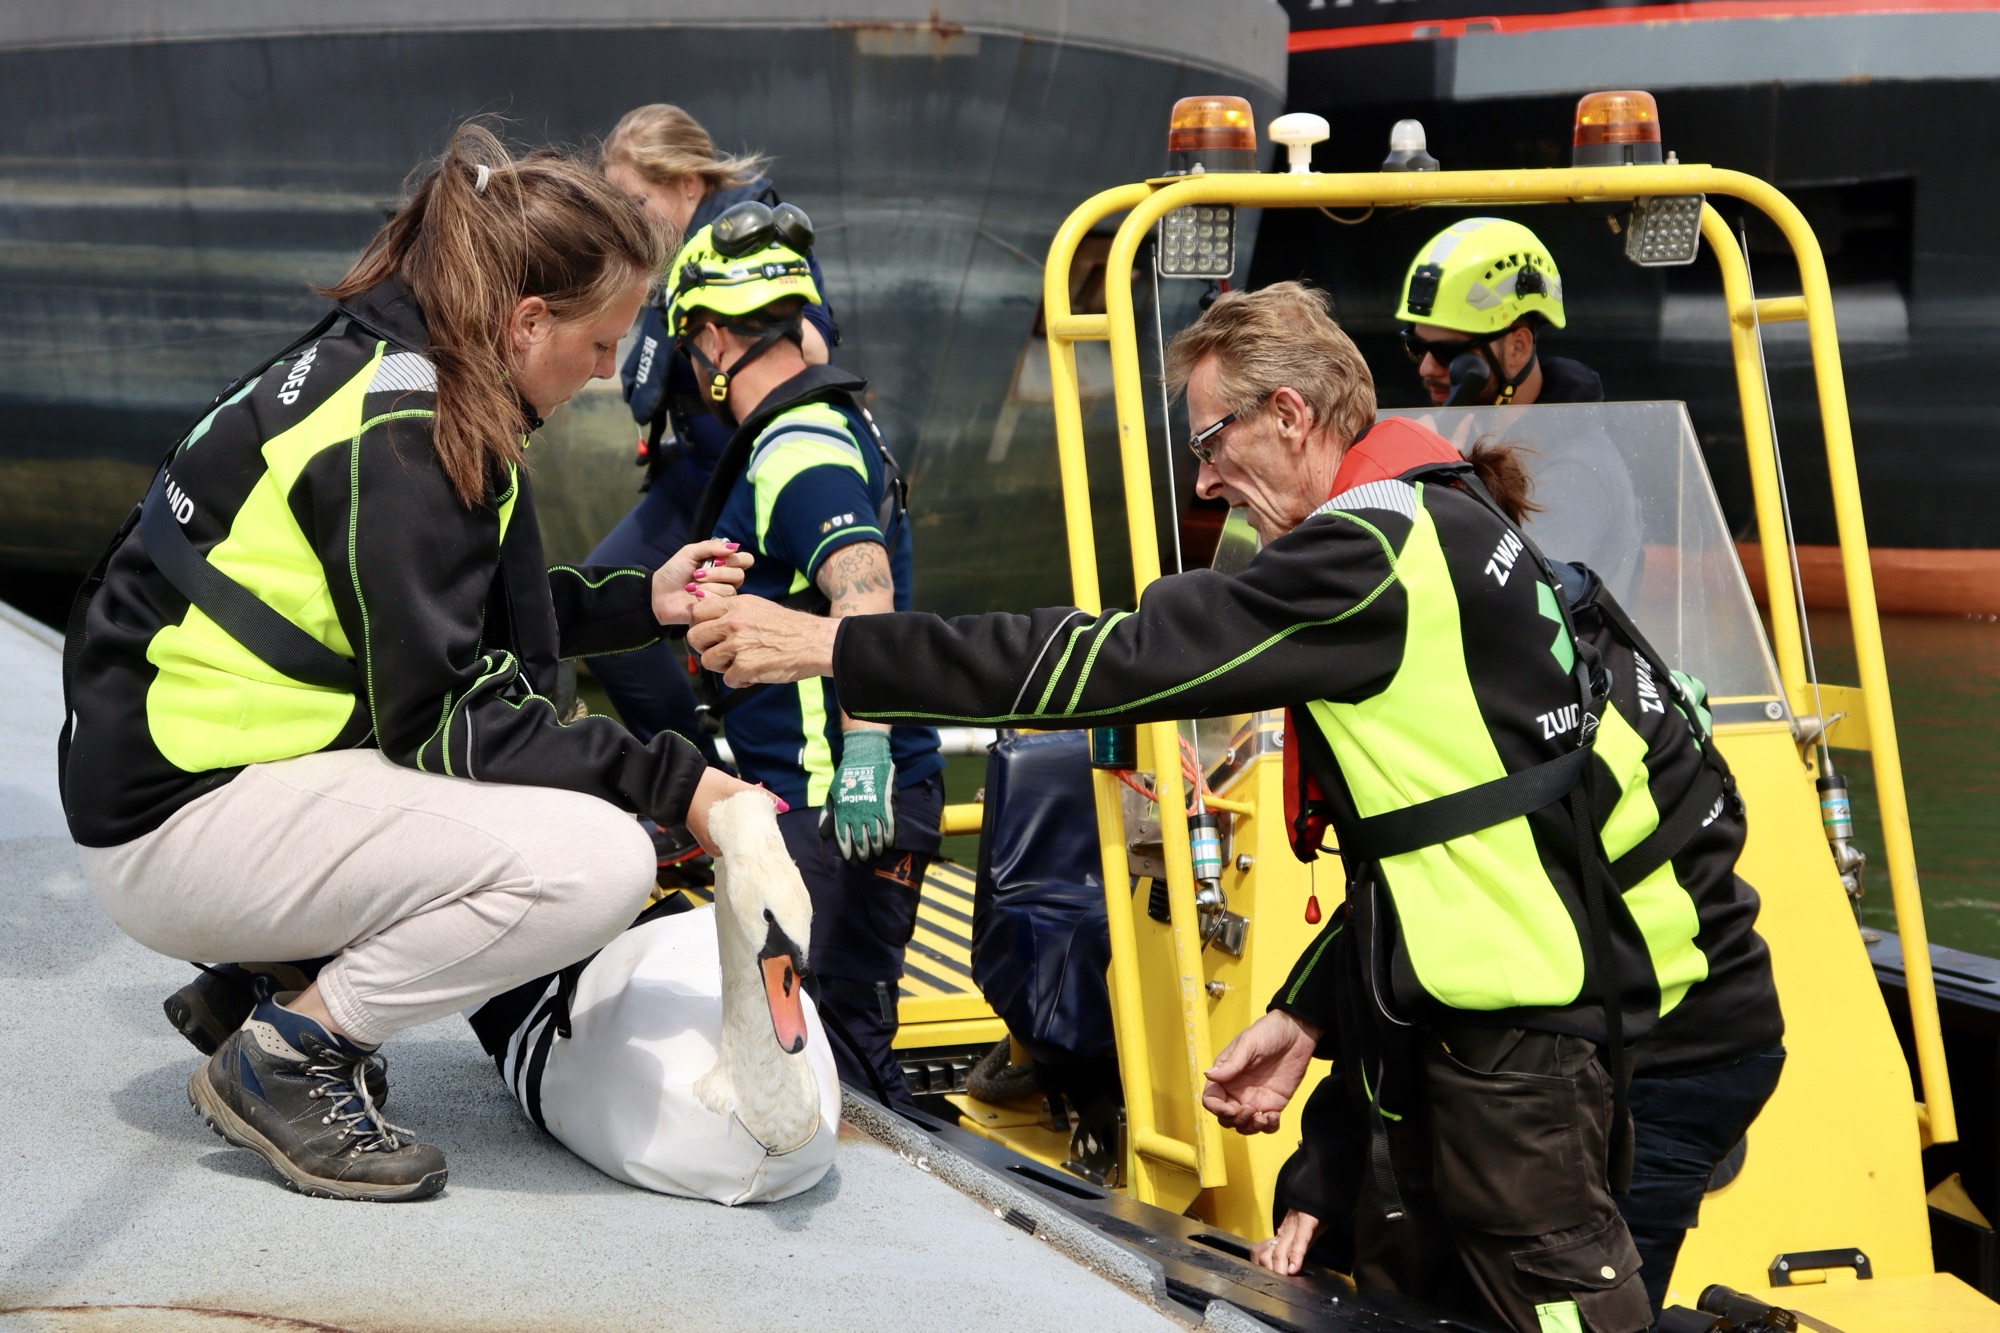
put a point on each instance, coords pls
(293, 1093)
(217, 1002)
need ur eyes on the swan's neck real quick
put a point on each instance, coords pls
(772, 1092)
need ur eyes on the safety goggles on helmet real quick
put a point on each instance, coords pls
(753, 225)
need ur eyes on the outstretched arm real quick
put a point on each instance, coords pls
(1200, 644)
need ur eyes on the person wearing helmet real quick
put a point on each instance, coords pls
(1485, 287)
(807, 487)
(663, 158)
(1474, 303)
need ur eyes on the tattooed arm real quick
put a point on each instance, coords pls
(857, 581)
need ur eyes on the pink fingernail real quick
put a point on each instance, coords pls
(784, 806)
(701, 573)
(731, 545)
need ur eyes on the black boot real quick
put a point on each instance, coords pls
(215, 1003)
(291, 1092)
(218, 1001)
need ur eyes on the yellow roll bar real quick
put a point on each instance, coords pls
(1144, 205)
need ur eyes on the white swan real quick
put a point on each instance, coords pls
(695, 1065)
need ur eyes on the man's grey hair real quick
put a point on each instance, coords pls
(1281, 336)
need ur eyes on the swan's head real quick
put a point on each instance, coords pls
(766, 904)
(783, 962)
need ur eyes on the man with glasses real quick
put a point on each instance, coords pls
(1469, 964)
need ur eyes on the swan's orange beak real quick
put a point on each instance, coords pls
(783, 982)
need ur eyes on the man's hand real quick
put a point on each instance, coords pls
(860, 812)
(1256, 1075)
(755, 642)
(714, 568)
(1286, 1252)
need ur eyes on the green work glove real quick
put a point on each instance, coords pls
(861, 813)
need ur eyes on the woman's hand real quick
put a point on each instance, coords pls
(1286, 1252)
(1256, 1074)
(716, 785)
(698, 570)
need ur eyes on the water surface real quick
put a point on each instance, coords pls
(1944, 675)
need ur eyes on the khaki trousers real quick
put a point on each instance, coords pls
(434, 893)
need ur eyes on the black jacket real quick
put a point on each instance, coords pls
(1320, 614)
(318, 489)
(1567, 381)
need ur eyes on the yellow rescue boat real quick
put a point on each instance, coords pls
(1828, 1215)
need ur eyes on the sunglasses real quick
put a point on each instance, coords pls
(1446, 350)
(752, 225)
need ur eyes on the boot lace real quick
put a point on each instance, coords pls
(343, 1082)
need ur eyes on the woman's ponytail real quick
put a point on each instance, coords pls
(480, 232)
(1505, 477)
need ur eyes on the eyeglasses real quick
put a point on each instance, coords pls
(1446, 350)
(752, 225)
(1199, 440)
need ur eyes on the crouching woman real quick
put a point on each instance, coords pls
(310, 685)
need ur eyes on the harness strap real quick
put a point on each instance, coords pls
(1592, 862)
(1380, 1164)
(1675, 831)
(1443, 818)
(76, 629)
(244, 616)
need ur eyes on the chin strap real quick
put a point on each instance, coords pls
(717, 379)
(1509, 386)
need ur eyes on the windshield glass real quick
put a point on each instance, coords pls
(1623, 489)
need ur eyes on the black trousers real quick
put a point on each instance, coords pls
(863, 917)
(1684, 1126)
(1500, 1156)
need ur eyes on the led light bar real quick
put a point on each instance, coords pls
(1198, 241)
(1664, 230)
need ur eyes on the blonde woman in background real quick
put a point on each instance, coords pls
(662, 157)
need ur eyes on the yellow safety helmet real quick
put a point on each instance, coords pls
(751, 257)
(1481, 275)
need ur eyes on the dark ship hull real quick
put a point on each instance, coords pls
(171, 192)
(1878, 119)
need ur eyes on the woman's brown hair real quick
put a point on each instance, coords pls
(480, 232)
(1505, 477)
(662, 142)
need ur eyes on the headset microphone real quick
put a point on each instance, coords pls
(1469, 375)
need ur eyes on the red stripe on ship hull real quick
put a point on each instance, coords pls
(1908, 581)
(1382, 34)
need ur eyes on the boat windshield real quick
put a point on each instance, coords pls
(1623, 488)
